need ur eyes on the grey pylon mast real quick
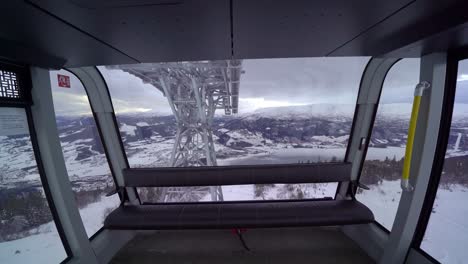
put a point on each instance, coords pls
(194, 90)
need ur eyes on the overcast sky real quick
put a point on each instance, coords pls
(265, 83)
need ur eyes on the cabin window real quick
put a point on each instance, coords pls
(84, 153)
(239, 192)
(28, 232)
(384, 159)
(446, 234)
(278, 111)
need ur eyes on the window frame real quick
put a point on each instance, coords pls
(25, 102)
(453, 59)
(106, 152)
(371, 129)
(374, 115)
(353, 189)
(119, 138)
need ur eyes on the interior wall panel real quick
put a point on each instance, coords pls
(419, 20)
(295, 28)
(153, 30)
(30, 30)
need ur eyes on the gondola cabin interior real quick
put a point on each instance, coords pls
(233, 131)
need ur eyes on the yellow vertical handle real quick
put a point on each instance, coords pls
(418, 92)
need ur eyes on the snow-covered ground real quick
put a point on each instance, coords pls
(383, 200)
(247, 192)
(93, 215)
(446, 236)
(45, 246)
(42, 248)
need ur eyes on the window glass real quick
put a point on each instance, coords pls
(446, 234)
(28, 233)
(83, 151)
(262, 111)
(239, 192)
(384, 160)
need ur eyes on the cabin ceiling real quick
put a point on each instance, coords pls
(72, 33)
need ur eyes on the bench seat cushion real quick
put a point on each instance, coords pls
(239, 215)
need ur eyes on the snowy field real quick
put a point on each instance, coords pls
(446, 236)
(247, 192)
(45, 247)
(383, 200)
(42, 248)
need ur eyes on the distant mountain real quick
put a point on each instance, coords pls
(305, 111)
(145, 114)
(330, 111)
(403, 110)
(395, 110)
(460, 111)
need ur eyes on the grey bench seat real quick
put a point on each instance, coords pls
(239, 215)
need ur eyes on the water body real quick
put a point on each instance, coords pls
(312, 155)
(288, 156)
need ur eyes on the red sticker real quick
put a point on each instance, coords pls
(63, 81)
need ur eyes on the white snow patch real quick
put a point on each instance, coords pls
(142, 124)
(128, 129)
(457, 143)
(46, 247)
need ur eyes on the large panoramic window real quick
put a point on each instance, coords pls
(83, 151)
(384, 160)
(28, 233)
(446, 234)
(250, 112)
(239, 192)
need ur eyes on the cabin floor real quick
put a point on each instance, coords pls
(272, 245)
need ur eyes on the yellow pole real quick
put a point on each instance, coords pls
(418, 92)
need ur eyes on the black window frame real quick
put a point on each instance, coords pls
(25, 102)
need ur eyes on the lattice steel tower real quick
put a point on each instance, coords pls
(194, 91)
